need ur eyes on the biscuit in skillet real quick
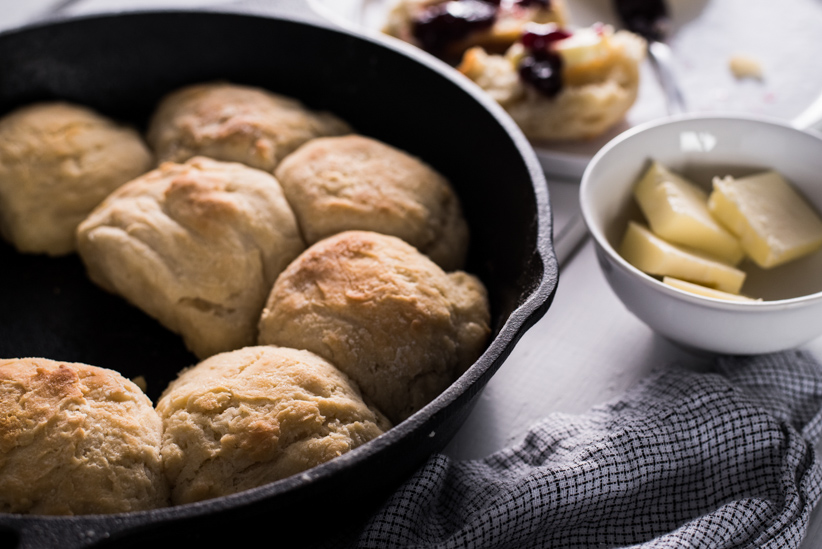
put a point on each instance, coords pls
(76, 439)
(245, 418)
(235, 123)
(352, 182)
(196, 246)
(57, 162)
(386, 315)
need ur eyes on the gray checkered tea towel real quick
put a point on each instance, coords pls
(685, 459)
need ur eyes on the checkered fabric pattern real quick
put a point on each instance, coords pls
(717, 460)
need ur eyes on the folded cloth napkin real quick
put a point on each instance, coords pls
(685, 459)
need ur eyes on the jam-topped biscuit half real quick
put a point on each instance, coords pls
(559, 83)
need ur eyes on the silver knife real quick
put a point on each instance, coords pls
(650, 20)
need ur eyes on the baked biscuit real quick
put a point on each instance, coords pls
(235, 123)
(383, 313)
(196, 246)
(446, 28)
(336, 184)
(599, 84)
(57, 162)
(256, 415)
(76, 439)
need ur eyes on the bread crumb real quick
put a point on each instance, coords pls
(745, 66)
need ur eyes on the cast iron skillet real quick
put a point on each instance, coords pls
(121, 64)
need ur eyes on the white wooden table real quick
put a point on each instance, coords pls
(588, 348)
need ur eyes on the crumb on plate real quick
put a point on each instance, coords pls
(745, 66)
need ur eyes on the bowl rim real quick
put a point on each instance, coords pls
(756, 307)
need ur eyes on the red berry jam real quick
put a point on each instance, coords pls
(540, 37)
(541, 68)
(445, 23)
(543, 72)
(542, 4)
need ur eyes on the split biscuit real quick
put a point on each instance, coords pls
(594, 96)
(447, 28)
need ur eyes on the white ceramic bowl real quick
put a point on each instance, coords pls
(701, 147)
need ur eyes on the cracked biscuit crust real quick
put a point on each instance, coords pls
(352, 182)
(57, 162)
(197, 246)
(235, 123)
(76, 439)
(383, 313)
(256, 415)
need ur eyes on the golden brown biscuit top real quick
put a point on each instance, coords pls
(383, 313)
(353, 182)
(196, 246)
(235, 123)
(258, 414)
(57, 162)
(35, 390)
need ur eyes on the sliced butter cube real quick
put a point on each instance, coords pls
(773, 222)
(677, 210)
(699, 289)
(585, 45)
(590, 55)
(653, 255)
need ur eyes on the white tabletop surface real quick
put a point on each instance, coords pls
(588, 348)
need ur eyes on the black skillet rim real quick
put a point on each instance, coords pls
(533, 305)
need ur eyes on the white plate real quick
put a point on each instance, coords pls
(706, 35)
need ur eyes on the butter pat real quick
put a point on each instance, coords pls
(704, 291)
(677, 210)
(653, 255)
(585, 45)
(772, 221)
